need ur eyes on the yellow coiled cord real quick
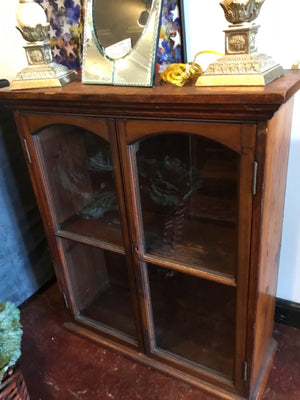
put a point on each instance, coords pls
(180, 73)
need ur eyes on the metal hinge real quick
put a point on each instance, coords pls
(135, 249)
(245, 371)
(65, 299)
(255, 166)
(27, 150)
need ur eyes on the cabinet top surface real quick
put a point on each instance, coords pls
(163, 99)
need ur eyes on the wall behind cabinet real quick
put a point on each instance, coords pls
(24, 258)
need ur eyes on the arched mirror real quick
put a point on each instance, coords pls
(120, 39)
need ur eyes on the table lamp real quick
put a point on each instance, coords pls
(242, 64)
(41, 71)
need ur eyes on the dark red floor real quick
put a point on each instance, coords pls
(57, 364)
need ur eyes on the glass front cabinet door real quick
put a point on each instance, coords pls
(189, 187)
(79, 174)
(149, 224)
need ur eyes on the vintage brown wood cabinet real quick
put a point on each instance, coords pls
(163, 211)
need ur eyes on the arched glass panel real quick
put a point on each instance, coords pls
(81, 183)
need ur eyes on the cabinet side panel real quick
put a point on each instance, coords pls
(277, 151)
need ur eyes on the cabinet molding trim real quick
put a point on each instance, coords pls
(287, 313)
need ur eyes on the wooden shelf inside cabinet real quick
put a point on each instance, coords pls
(111, 308)
(94, 231)
(163, 212)
(214, 250)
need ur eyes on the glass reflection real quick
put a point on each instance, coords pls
(194, 319)
(188, 193)
(120, 39)
(100, 286)
(80, 176)
(119, 24)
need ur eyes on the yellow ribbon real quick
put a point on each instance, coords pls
(178, 74)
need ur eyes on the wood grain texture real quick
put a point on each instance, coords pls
(253, 122)
(242, 103)
(272, 189)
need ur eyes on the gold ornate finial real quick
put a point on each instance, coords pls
(239, 11)
(36, 33)
(242, 64)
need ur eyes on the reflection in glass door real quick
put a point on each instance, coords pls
(193, 319)
(188, 190)
(188, 200)
(80, 176)
(100, 287)
(80, 183)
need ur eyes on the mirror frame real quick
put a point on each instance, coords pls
(135, 69)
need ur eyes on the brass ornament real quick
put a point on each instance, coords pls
(33, 34)
(242, 64)
(237, 11)
(41, 71)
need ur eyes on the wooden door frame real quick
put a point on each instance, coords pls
(238, 137)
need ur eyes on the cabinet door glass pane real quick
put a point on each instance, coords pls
(188, 191)
(80, 178)
(100, 286)
(194, 319)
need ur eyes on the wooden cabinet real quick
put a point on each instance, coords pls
(163, 210)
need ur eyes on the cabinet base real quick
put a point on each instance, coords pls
(173, 372)
(265, 371)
